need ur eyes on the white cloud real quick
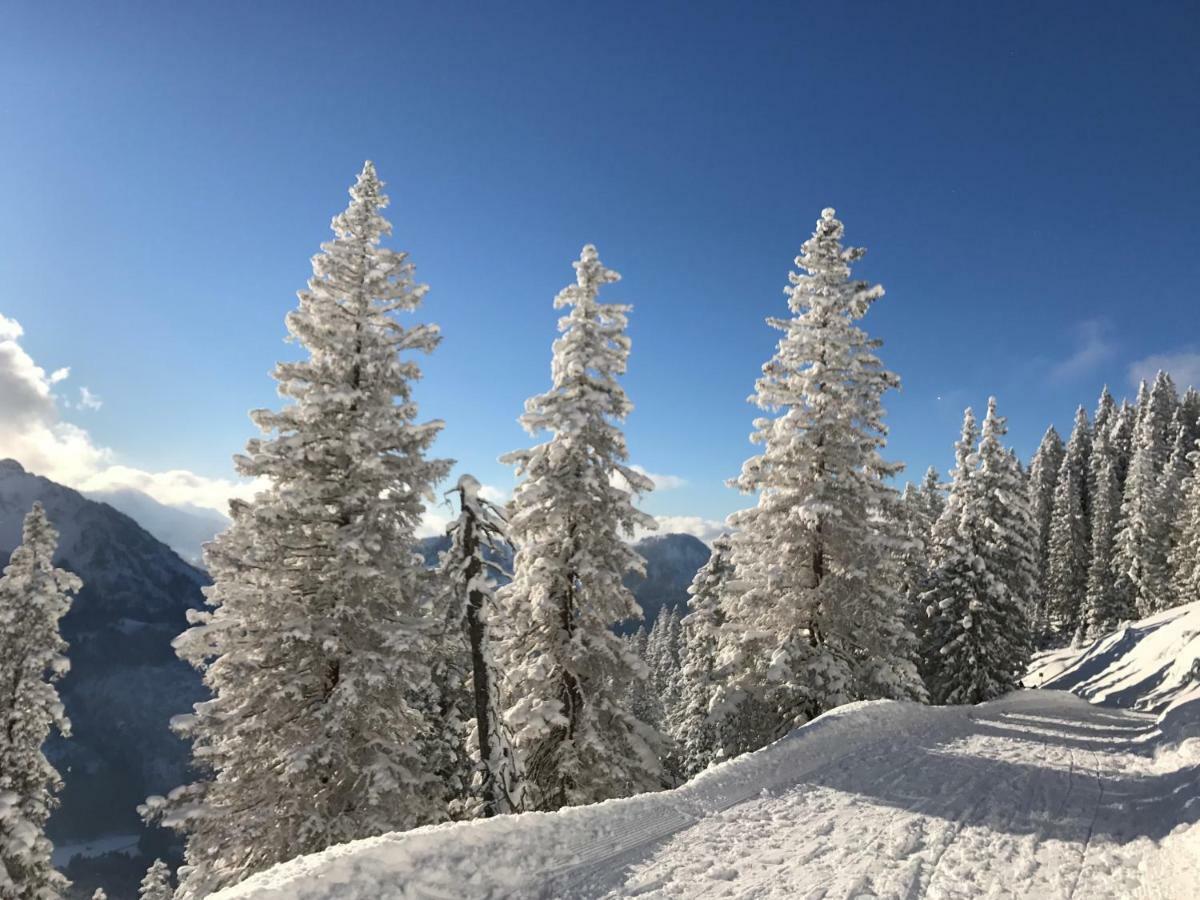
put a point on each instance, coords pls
(35, 435)
(661, 482)
(87, 400)
(175, 487)
(1093, 348)
(495, 495)
(706, 530)
(1183, 367)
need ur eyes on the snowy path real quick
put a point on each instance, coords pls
(1038, 795)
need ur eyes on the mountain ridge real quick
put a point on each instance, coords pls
(125, 681)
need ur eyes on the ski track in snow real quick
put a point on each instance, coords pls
(1000, 807)
(1037, 795)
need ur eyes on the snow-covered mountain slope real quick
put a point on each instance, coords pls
(125, 682)
(1152, 665)
(1040, 794)
(671, 563)
(185, 529)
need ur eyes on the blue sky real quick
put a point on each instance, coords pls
(1025, 176)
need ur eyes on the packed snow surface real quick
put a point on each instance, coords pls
(1040, 794)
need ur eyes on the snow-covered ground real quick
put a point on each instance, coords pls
(1152, 665)
(1040, 794)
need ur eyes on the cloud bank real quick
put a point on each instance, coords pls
(35, 434)
(1183, 367)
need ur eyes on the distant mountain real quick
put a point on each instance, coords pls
(671, 562)
(182, 528)
(125, 682)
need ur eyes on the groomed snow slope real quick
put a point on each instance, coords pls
(1040, 794)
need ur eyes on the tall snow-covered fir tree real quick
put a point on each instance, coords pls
(944, 545)
(1184, 559)
(978, 640)
(1189, 411)
(640, 698)
(317, 640)
(1103, 422)
(696, 733)
(1121, 440)
(818, 618)
(491, 783)
(1172, 499)
(666, 664)
(570, 518)
(1070, 535)
(1014, 548)
(1142, 543)
(1043, 478)
(34, 595)
(1161, 404)
(1104, 605)
(921, 507)
(157, 883)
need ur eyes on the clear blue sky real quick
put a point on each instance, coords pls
(1025, 176)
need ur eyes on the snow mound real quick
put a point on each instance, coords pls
(1152, 666)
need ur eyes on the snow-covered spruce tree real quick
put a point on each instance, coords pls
(1013, 547)
(1140, 553)
(950, 577)
(1161, 405)
(818, 619)
(1103, 421)
(1189, 411)
(1185, 553)
(696, 733)
(1104, 606)
(1121, 441)
(1171, 491)
(920, 508)
(932, 495)
(640, 699)
(665, 659)
(666, 675)
(567, 672)
(317, 641)
(965, 461)
(157, 883)
(1070, 535)
(978, 640)
(34, 595)
(99, 894)
(1043, 478)
(491, 783)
